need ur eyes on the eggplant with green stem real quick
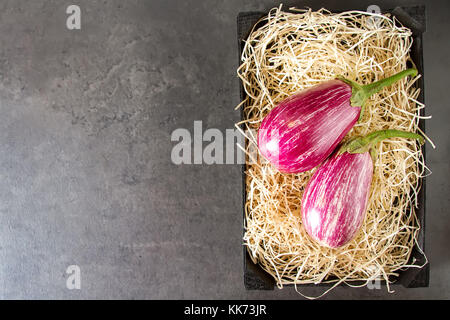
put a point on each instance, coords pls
(303, 130)
(335, 200)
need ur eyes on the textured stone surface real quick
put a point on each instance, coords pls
(85, 170)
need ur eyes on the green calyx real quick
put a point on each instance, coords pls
(360, 93)
(366, 143)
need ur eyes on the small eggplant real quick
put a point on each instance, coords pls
(335, 199)
(303, 130)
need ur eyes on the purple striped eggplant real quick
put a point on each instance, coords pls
(303, 130)
(335, 199)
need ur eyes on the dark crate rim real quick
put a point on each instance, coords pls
(414, 18)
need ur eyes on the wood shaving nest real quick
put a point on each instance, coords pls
(296, 50)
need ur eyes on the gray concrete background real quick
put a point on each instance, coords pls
(85, 170)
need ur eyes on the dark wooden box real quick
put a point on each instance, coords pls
(255, 278)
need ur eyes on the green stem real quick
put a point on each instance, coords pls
(365, 144)
(373, 88)
(361, 93)
(378, 136)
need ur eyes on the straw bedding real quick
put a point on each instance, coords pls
(299, 49)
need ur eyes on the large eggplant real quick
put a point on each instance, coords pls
(303, 130)
(335, 199)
